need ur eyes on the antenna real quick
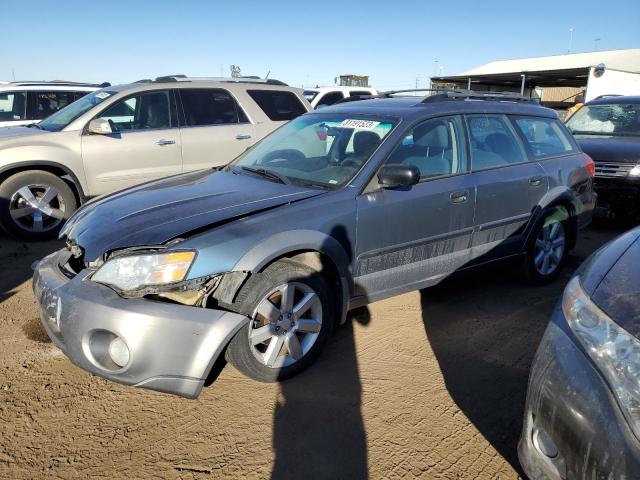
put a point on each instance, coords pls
(267, 76)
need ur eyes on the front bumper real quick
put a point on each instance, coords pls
(569, 402)
(172, 347)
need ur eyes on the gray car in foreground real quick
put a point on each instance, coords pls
(582, 416)
(256, 262)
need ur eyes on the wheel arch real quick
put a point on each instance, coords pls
(562, 197)
(318, 250)
(54, 168)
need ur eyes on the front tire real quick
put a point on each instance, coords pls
(547, 250)
(292, 315)
(34, 204)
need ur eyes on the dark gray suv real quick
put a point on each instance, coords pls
(256, 262)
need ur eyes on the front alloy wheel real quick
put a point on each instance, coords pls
(285, 325)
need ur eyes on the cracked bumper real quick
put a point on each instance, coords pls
(172, 348)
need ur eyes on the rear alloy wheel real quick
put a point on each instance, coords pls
(291, 315)
(35, 204)
(548, 251)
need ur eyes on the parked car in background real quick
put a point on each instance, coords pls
(23, 103)
(127, 134)
(320, 97)
(582, 414)
(338, 208)
(608, 130)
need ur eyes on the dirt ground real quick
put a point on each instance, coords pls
(430, 384)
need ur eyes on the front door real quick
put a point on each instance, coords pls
(145, 144)
(216, 130)
(408, 238)
(509, 186)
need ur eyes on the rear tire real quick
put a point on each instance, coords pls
(292, 315)
(547, 250)
(34, 204)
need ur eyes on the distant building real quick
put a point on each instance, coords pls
(354, 80)
(558, 80)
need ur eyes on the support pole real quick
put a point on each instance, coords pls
(524, 77)
(469, 83)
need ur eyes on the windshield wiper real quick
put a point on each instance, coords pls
(34, 125)
(263, 172)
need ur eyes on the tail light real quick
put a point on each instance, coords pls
(591, 166)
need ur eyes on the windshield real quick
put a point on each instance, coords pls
(324, 150)
(309, 94)
(616, 119)
(68, 114)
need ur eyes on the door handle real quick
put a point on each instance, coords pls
(535, 181)
(459, 197)
(243, 136)
(165, 142)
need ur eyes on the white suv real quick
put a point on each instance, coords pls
(324, 96)
(22, 103)
(120, 136)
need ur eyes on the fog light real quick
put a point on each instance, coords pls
(635, 171)
(119, 352)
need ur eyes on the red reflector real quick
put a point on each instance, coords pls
(322, 135)
(588, 162)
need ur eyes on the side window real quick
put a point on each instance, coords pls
(544, 136)
(78, 95)
(209, 106)
(141, 112)
(329, 98)
(278, 105)
(48, 103)
(494, 142)
(436, 147)
(13, 106)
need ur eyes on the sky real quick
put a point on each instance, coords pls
(399, 44)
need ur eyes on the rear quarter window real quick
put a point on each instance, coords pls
(278, 105)
(544, 136)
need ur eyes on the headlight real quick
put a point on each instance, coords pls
(613, 349)
(135, 271)
(635, 171)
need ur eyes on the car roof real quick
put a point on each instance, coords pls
(198, 83)
(615, 100)
(415, 107)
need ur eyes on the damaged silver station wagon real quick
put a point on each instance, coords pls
(256, 262)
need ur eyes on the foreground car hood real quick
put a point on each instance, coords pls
(13, 132)
(619, 292)
(611, 149)
(156, 212)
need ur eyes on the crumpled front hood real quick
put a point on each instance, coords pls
(156, 212)
(611, 149)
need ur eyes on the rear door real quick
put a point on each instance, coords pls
(215, 129)
(408, 237)
(144, 146)
(509, 186)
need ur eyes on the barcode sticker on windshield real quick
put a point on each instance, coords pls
(103, 95)
(359, 124)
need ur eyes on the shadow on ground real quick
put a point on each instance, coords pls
(484, 327)
(318, 431)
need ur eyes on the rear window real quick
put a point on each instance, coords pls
(13, 106)
(208, 106)
(544, 136)
(278, 105)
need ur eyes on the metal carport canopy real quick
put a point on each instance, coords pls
(571, 77)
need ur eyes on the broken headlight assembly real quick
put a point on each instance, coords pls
(133, 272)
(615, 352)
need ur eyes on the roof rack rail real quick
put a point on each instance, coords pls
(62, 83)
(246, 79)
(606, 95)
(472, 95)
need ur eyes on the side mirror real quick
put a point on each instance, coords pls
(391, 176)
(100, 126)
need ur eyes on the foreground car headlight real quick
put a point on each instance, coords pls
(135, 271)
(635, 171)
(613, 349)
